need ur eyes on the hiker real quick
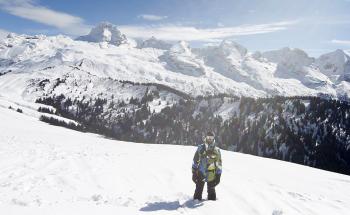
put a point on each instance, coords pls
(207, 167)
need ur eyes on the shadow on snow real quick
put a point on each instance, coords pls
(170, 206)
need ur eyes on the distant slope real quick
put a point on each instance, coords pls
(47, 169)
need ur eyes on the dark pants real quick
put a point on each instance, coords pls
(199, 190)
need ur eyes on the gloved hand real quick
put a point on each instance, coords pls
(195, 176)
(217, 179)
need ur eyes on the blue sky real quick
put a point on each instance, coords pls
(317, 26)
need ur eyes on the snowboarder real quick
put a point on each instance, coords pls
(207, 167)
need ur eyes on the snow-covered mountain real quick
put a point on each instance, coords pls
(296, 64)
(336, 65)
(154, 43)
(105, 32)
(181, 59)
(52, 170)
(106, 53)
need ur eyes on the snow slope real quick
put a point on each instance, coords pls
(52, 170)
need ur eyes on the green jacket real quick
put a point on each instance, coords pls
(207, 161)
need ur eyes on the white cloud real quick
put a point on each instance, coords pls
(341, 42)
(188, 33)
(3, 34)
(151, 17)
(28, 9)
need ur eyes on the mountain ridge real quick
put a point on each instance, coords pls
(224, 69)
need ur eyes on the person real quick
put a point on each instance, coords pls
(207, 167)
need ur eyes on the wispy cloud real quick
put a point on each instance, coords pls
(189, 33)
(151, 17)
(341, 42)
(29, 9)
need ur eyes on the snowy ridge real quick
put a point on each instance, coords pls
(336, 65)
(155, 43)
(47, 169)
(225, 69)
(105, 32)
(296, 64)
(181, 59)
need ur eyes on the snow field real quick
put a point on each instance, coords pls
(52, 170)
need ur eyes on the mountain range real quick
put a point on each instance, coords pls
(227, 68)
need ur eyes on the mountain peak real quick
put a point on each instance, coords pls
(181, 47)
(153, 42)
(339, 53)
(11, 35)
(105, 32)
(289, 56)
(335, 64)
(228, 47)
